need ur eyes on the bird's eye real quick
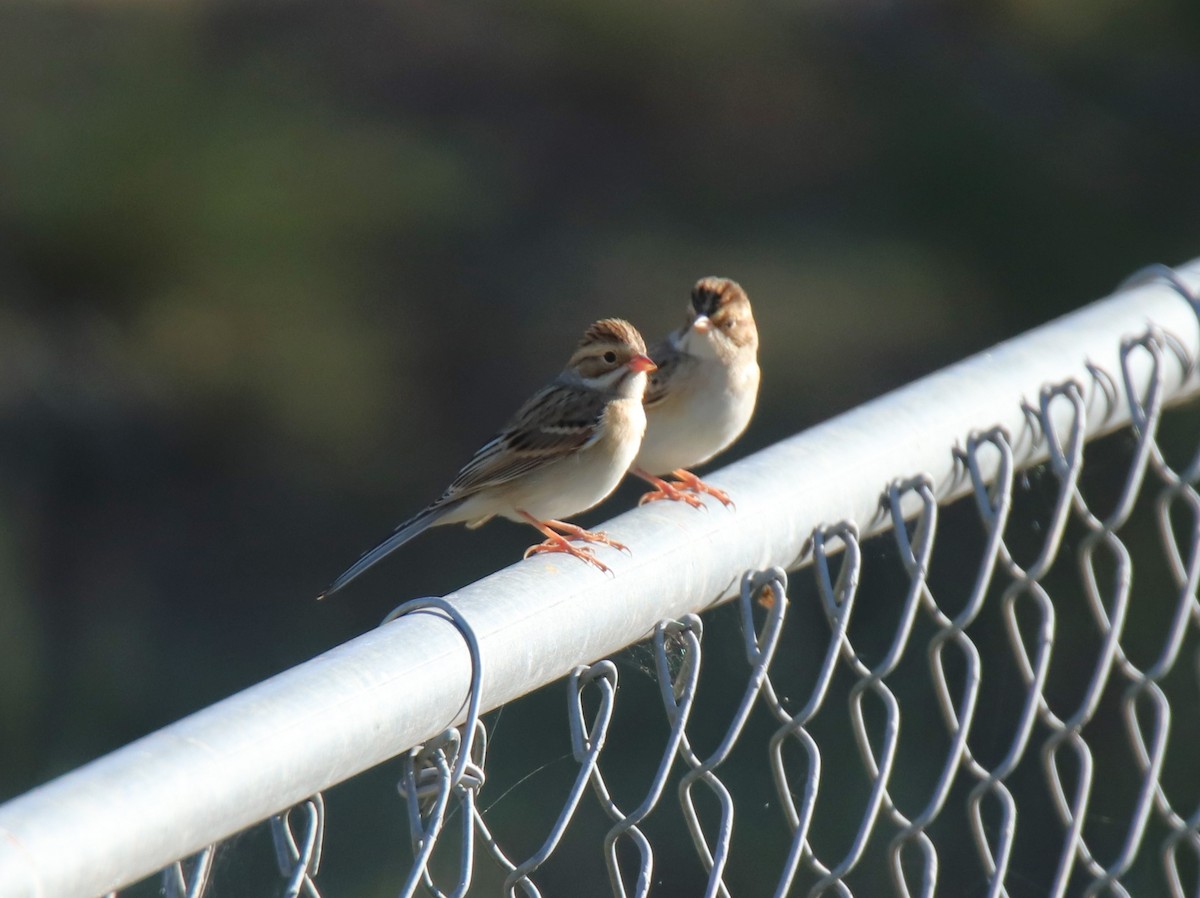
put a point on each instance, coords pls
(610, 357)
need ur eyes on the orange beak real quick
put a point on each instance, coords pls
(640, 363)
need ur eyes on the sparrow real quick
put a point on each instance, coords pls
(563, 452)
(702, 395)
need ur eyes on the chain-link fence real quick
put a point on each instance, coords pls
(967, 690)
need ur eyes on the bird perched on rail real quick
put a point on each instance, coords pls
(702, 396)
(563, 451)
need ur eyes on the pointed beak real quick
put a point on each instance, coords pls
(640, 363)
(702, 324)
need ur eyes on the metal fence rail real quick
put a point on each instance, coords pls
(964, 430)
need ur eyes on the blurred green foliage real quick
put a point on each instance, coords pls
(270, 271)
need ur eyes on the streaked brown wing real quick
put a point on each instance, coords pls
(554, 422)
(670, 360)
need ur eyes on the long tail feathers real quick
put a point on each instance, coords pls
(406, 531)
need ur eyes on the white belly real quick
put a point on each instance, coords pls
(699, 420)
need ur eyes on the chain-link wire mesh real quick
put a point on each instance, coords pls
(976, 701)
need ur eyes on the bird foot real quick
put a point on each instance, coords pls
(561, 544)
(574, 531)
(693, 483)
(560, 541)
(664, 489)
(687, 488)
(673, 494)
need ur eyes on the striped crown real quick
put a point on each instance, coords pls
(711, 294)
(609, 331)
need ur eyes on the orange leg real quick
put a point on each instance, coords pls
(664, 489)
(574, 531)
(556, 542)
(696, 485)
(685, 489)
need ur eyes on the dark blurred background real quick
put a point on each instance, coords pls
(270, 272)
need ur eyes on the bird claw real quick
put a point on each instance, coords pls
(720, 495)
(675, 494)
(559, 534)
(584, 553)
(599, 536)
(689, 481)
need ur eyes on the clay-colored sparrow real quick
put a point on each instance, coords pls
(565, 450)
(702, 395)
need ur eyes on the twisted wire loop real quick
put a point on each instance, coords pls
(837, 594)
(1066, 754)
(915, 553)
(879, 767)
(189, 880)
(586, 744)
(299, 860)
(449, 766)
(1177, 496)
(678, 694)
(994, 503)
(767, 588)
